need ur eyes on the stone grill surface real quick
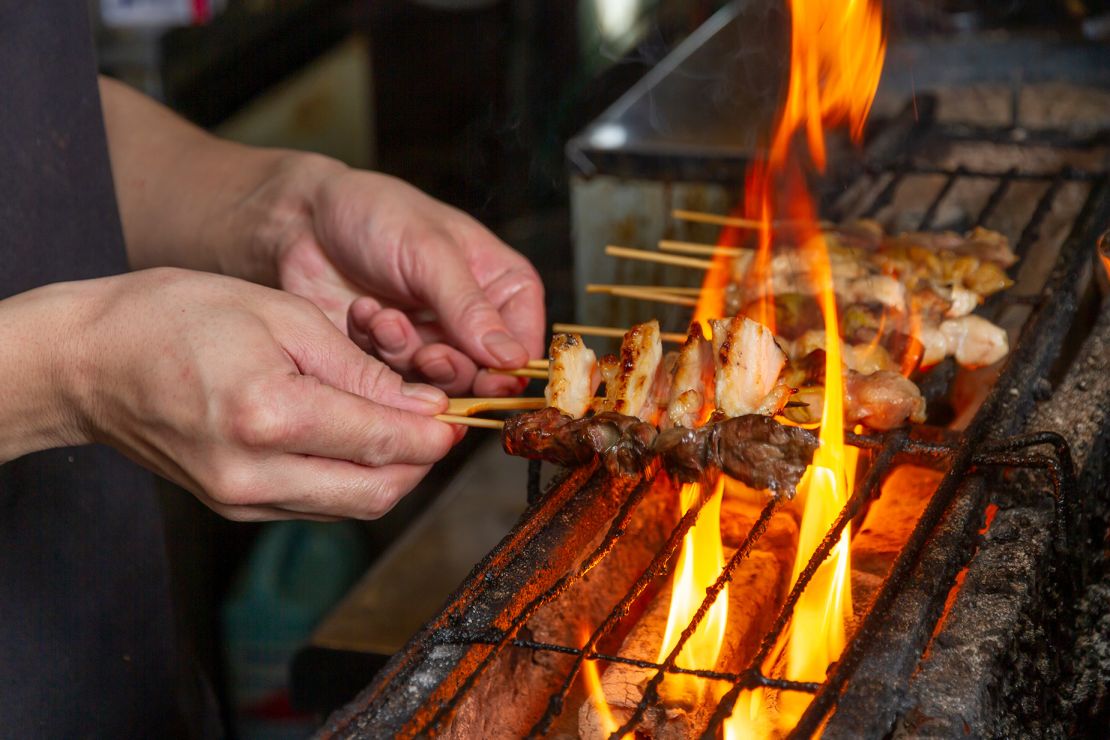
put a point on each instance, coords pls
(931, 656)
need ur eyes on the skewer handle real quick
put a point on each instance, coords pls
(470, 421)
(470, 406)
(522, 372)
(664, 259)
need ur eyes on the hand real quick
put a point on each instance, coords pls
(249, 398)
(441, 296)
(422, 285)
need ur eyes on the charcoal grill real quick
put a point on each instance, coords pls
(539, 560)
(1034, 448)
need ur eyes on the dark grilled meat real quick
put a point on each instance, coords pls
(622, 442)
(753, 449)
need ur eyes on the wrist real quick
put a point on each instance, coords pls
(275, 214)
(42, 409)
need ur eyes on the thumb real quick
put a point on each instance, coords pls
(465, 312)
(325, 353)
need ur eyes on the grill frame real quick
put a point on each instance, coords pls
(468, 634)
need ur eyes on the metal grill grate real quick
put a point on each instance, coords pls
(484, 620)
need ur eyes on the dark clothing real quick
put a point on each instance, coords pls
(87, 646)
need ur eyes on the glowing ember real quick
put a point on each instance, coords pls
(593, 687)
(699, 563)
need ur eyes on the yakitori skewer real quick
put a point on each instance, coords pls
(743, 223)
(643, 294)
(471, 421)
(461, 410)
(644, 255)
(672, 289)
(471, 406)
(521, 372)
(708, 250)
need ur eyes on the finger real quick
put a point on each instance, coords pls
(518, 295)
(472, 322)
(300, 414)
(359, 315)
(312, 486)
(490, 384)
(446, 368)
(326, 354)
(395, 339)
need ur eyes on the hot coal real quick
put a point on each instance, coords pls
(753, 449)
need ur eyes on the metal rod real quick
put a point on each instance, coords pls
(934, 206)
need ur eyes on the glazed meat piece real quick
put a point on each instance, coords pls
(622, 442)
(692, 381)
(882, 400)
(573, 375)
(753, 449)
(629, 378)
(748, 363)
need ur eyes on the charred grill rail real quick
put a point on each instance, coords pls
(872, 688)
(753, 449)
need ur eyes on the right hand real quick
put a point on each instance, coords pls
(249, 398)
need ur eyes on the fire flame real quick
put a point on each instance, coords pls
(592, 679)
(699, 563)
(836, 58)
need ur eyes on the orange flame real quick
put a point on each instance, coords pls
(592, 679)
(836, 57)
(699, 563)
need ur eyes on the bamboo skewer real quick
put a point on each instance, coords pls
(460, 410)
(540, 364)
(665, 259)
(709, 250)
(671, 289)
(469, 421)
(521, 372)
(471, 406)
(610, 331)
(659, 296)
(744, 223)
(701, 217)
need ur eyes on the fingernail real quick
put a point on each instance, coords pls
(389, 336)
(425, 393)
(507, 350)
(439, 371)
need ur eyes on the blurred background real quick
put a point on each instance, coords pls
(474, 101)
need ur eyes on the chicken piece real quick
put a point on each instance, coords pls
(974, 341)
(573, 375)
(964, 301)
(934, 345)
(692, 381)
(629, 379)
(882, 289)
(748, 363)
(882, 400)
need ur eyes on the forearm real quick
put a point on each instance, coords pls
(189, 199)
(38, 410)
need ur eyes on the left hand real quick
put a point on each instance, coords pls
(422, 285)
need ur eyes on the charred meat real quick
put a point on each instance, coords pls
(753, 449)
